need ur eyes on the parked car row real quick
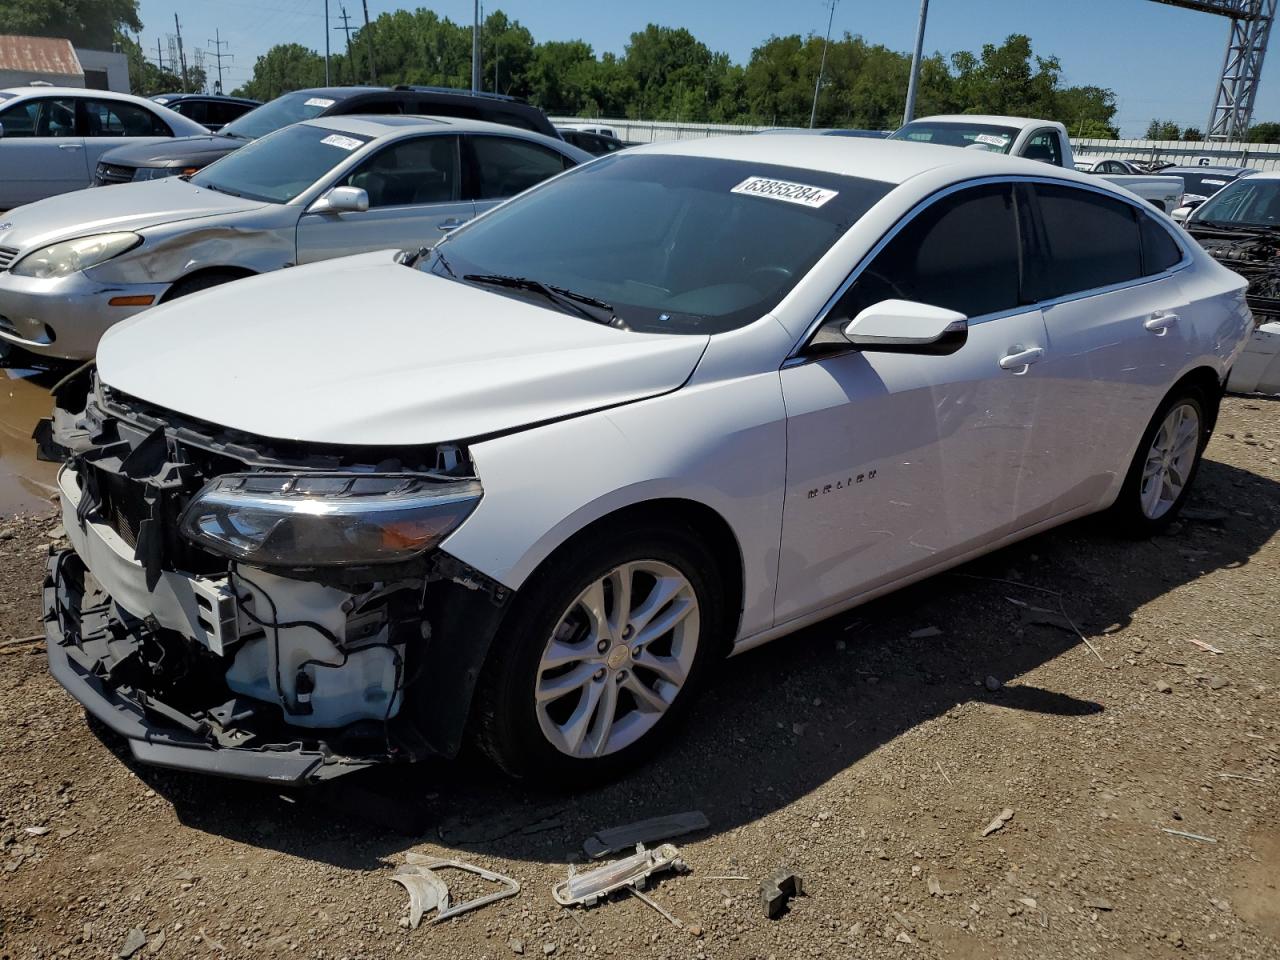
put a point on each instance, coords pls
(526, 482)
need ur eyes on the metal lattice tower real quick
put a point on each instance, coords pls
(1241, 66)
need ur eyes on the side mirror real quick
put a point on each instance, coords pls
(342, 200)
(903, 326)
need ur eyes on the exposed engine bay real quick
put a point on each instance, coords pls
(1253, 254)
(302, 672)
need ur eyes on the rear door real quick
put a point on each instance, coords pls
(41, 154)
(415, 198)
(1102, 270)
(115, 123)
(500, 167)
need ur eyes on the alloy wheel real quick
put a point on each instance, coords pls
(617, 659)
(1169, 460)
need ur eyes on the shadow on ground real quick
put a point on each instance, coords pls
(778, 722)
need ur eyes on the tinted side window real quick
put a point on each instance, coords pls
(423, 170)
(961, 253)
(1160, 251)
(505, 166)
(111, 118)
(1086, 241)
(197, 110)
(46, 117)
(226, 112)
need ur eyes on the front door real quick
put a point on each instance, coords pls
(106, 124)
(40, 152)
(896, 462)
(414, 189)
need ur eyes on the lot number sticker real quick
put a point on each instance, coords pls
(785, 190)
(338, 140)
(991, 139)
(319, 102)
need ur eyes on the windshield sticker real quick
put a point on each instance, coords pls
(785, 190)
(338, 140)
(992, 139)
(1214, 183)
(319, 102)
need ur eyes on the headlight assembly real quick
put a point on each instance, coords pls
(326, 520)
(70, 256)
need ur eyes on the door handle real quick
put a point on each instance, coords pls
(1020, 359)
(1160, 322)
(71, 146)
(453, 223)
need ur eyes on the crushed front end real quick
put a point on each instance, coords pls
(1252, 253)
(267, 610)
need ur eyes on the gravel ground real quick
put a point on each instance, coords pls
(869, 754)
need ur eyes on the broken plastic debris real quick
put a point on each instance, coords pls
(998, 823)
(777, 889)
(587, 889)
(604, 842)
(428, 892)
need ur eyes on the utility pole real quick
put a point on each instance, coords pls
(475, 49)
(218, 44)
(913, 84)
(159, 54)
(368, 35)
(346, 28)
(326, 43)
(182, 57)
(813, 113)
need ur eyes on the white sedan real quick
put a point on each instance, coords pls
(51, 137)
(663, 408)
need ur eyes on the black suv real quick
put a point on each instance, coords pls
(213, 110)
(186, 155)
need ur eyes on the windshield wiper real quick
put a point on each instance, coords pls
(217, 189)
(592, 308)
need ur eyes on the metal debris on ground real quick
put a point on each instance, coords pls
(998, 823)
(428, 892)
(778, 889)
(604, 842)
(633, 872)
(1189, 836)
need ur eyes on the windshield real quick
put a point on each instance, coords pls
(1204, 184)
(671, 244)
(979, 136)
(280, 112)
(279, 167)
(1245, 203)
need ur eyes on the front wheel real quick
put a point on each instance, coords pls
(601, 654)
(1165, 465)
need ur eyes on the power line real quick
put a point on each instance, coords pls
(219, 43)
(813, 113)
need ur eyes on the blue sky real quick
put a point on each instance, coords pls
(1160, 60)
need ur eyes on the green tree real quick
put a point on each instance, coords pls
(1264, 133)
(1192, 134)
(1163, 130)
(285, 67)
(145, 78)
(86, 23)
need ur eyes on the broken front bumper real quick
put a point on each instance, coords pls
(89, 648)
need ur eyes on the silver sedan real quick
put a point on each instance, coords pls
(71, 266)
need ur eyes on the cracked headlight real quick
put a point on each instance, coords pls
(326, 520)
(70, 256)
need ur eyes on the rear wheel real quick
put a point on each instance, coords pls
(1165, 465)
(601, 654)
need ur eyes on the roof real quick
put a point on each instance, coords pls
(52, 91)
(40, 55)
(988, 119)
(889, 161)
(383, 124)
(1198, 168)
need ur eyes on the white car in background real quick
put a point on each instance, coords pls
(676, 403)
(51, 137)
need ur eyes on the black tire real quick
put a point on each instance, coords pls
(201, 281)
(1128, 512)
(505, 722)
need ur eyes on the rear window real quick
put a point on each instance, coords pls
(1088, 241)
(1205, 184)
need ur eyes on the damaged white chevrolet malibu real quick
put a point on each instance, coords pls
(525, 489)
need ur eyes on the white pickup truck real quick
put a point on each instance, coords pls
(1034, 139)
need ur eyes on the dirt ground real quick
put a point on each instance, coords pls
(869, 754)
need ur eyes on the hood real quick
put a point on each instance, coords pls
(1254, 254)
(126, 206)
(365, 351)
(174, 152)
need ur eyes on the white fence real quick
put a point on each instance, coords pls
(1261, 156)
